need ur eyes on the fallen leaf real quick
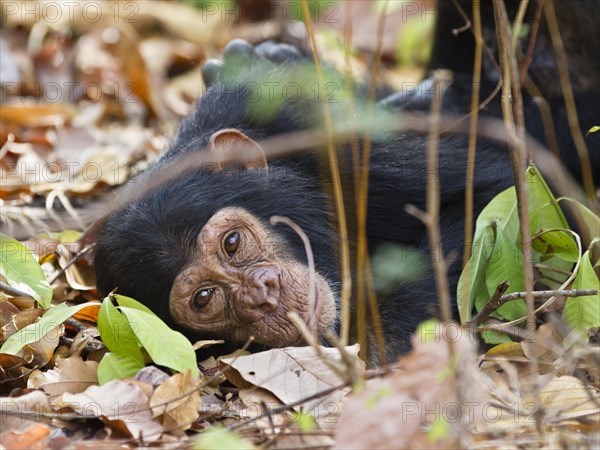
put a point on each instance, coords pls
(11, 407)
(71, 375)
(122, 404)
(177, 399)
(418, 407)
(292, 374)
(32, 439)
(43, 350)
(567, 397)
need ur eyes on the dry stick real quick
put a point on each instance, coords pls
(519, 22)
(567, 89)
(355, 146)
(72, 261)
(312, 285)
(516, 132)
(490, 306)
(362, 250)
(497, 301)
(13, 291)
(349, 79)
(350, 373)
(337, 187)
(532, 39)
(430, 217)
(474, 116)
(354, 143)
(549, 293)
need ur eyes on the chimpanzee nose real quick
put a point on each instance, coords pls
(260, 295)
(267, 290)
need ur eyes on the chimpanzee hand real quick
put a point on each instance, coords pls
(240, 55)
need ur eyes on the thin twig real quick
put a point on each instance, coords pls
(512, 110)
(491, 306)
(517, 295)
(312, 284)
(362, 256)
(567, 89)
(13, 291)
(430, 217)
(474, 116)
(337, 186)
(548, 294)
(72, 261)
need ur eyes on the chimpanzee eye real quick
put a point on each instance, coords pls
(231, 243)
(201, 298)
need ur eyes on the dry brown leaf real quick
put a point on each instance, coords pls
(177, 400)
(392, 412)
(547, 343)
(13, 372)
(292, 374)
(36, 114)
(33, 438)
(181, 91)
(255, 400)
(122, 404)
(79, 276)
(43, 350)
(567, 398)
(20, 319)
(71, 375)
(206, 344)
(10, 407)
(89, 313)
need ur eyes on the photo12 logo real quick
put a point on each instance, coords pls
(68, 11)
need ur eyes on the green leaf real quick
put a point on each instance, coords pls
(544, 211)
(499, 216)
(590, 220)
(116, 333)
(495, 337)
(393, 264)
(305, 422)
(22, 271)
(501, 211)
(427, 331)
(471, 283)
(117, 367)
(583, 313)
(440, 429)
(594, 129)
(166, 347)
(221, 438)
(36, 331)
(556, 243)
(506, 263)
(131, 303)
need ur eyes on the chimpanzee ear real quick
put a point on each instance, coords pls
(232, 148)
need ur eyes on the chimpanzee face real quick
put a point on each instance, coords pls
(244, 283)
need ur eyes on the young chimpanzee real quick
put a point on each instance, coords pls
(200, 251)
